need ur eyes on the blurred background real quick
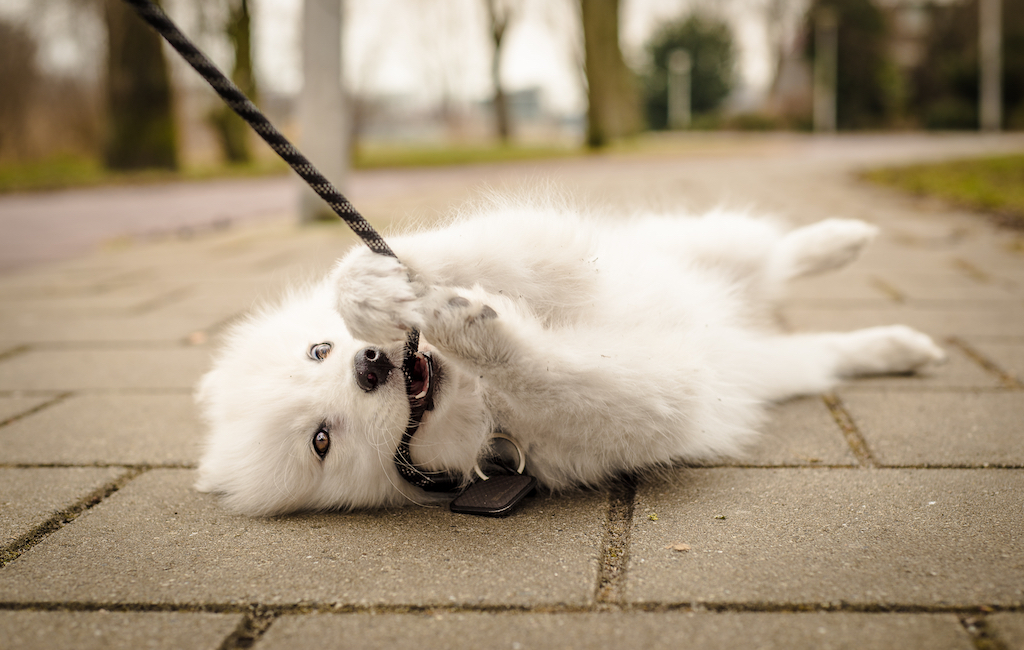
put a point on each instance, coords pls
(87, 92)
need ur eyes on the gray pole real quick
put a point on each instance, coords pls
(990, 45)
(826, 46)
(679, 89)
(321, 108)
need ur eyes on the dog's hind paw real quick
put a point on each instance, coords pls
(823, 246)
(890, 349)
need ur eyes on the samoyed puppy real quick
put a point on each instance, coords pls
(601, 346)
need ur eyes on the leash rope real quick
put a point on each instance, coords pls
(428, 480)
(248, 111)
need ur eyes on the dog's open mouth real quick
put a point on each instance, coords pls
(421, 382)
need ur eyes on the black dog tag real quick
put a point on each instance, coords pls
(495, 497)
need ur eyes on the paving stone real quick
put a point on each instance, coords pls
(30, 496)
(800, 432)
(83, 277)
(1008, 356)
(1007, 320)
(810, 536)
(620, 630)
(40, 328)
(158, 541)
(217, 299)
(137, 548)
(959, 371)
(1008, 628)
(104, 368)
(10, 348)
(102, 630)
(892, 256)
(97, 429)
(946, 283)
(13, 406)
(852, 285)
(936, 428)
(127, 301)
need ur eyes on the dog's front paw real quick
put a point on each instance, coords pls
(377, 298)
(461, 322)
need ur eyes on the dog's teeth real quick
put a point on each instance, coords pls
(421, 395)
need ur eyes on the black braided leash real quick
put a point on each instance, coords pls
(239, 103)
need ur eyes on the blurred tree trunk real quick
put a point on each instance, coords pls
(614, 109)
(231, 129)
(499, 16)
(990, 55)
(322, 109)
(778, 14)
(19, 78)
(140, 118)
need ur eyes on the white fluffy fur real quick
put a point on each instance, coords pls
(617, 346)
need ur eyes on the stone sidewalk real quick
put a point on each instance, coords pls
(887, 515)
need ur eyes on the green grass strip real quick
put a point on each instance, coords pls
(64, 172)
(994, 185)
(382, 156)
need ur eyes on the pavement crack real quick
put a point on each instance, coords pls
(971, 271)
(255, 624)
(1007, 379)
(982, 636)
(15, 351)
(161, 300)
(885, 287)
(854, 438)
(615, 553)
(59, 519)
(259, 617)
(35, 409)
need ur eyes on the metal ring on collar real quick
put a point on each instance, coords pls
(520, 466)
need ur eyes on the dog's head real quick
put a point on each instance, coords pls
(302, 416)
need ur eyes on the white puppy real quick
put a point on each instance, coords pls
(601, 346)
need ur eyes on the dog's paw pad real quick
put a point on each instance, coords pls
(479, 313)
(461, 308)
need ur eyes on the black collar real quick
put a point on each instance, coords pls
(444, 480)
(427, 480)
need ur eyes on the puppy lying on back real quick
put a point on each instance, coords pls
(601, 346)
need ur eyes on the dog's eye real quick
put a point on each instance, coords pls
(319, 351)
(321, 441)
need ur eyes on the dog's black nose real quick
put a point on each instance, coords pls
(372, 368)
